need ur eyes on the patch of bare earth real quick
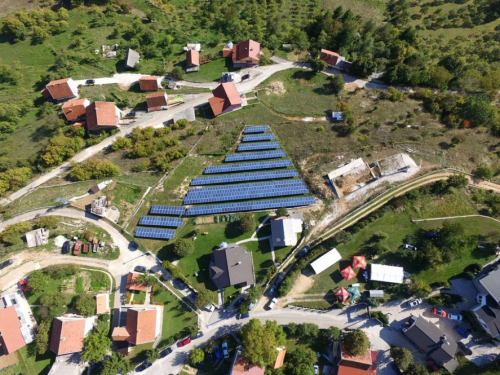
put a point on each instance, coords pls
(276, 88)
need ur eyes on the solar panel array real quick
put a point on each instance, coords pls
(257, 137)
(160, 234)
(244, 177)
(255, 156)
(247, 166)
(258, 146)
(168, 210)
(246, 191)
(249, 206)
(160, 221)
(256, 129)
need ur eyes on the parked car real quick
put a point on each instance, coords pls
(90, 82)
(439, 312)
(186, 341)
(85, 247)
(165, 352)
(77, 247)
(273, 303)
(252, 305)
(217, 352)
(455, 317)
(409, 247)
(461, 331)
(316, 369)
(280, 278)
(66, 247)
(24, 284)
(432, 234)
(142, 367)
(302, 252)
(225, 350)
(464, 349)
(141, 269)
(432, 365)
(481, 298)
(272, 290)
(415, 302)
(5, 264)
(211, 358)
(245, 76)
(243, 316)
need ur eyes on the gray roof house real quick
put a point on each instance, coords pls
(488, 315)
(231, 265)
(433, 342)
(131, 59)
(491, 282)
(284, 230)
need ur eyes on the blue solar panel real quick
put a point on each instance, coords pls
(244, 177)
(245, 191)
(167, 210)
(247, 166)
(161, 234)
(160, 221)
(256, 129)
(249, 206)
(258, 146)
(255, 156)
(257, 137)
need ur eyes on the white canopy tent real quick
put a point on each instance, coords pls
(388, 274)
(325, 261)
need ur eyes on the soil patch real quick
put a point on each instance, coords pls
(301, 285)
(276, 87)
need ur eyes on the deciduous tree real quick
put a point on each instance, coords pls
(356, 342)
(259, 344)
(197, 356)
(402, 358)
(183, 247)
(204, 297)
(247, 223)
(95, 346)
(85, 304)
(116, 363)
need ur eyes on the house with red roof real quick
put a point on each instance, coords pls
(143, 324)
(156, 101)
(132, 284)
(334, 60)
(68, 333)
(75, 110)
(150, 83)
(102, 116)
(226, 99)
(11, 337)
(363, 364)
(242, 367)
(244, 54)
(280, 358)
(61, 89)
(192, 61)
(102, 303)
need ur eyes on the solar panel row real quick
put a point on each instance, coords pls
(247, 166)
(258, 146)
(160, 221)
(161, 234)
(257, 137)
(244, 177)
(168, 210)
(249, 206)
(280, 184)
(256, 129)
(255, 156)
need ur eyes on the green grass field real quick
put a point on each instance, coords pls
(368, 9)
(211, 71)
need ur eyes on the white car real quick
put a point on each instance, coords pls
(316, 369)
(225, 350)
(409, 247)
(273, 303)
(415, 302)
(455, 317)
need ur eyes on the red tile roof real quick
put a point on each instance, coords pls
(225, 96)
(280, 358)
(242, 367)
(329, 57)
(120, 334)
(247, 49)
(141, 325)
(67, 335)
(149, 83)
(364, 364)
(60, 89)
(227, 52)
(133, 285)
(192, 58)
(102, 303)
(10, 331)
(157, 99)
(74, 109)
(101, 114)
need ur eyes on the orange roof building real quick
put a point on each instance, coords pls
(74, 110)
(329, 57)
(242, 367)
(363, 364)
(11, 338)
(102, 116)
(156, 101)
(102, 303)
(62, 89)
(133, 285)
(226, 99)
(280, 358)
(246, 53)
(143, 325)
(68, 334)
(150, 83)
(192, 61)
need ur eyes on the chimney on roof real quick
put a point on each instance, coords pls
(444, 340)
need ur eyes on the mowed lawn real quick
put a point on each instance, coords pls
(211, 71)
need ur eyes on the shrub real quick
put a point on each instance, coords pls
(183, 247)
(384, 318)
(247, 223)
(177, 72)
(469, 275)
(49, 222)
(94, 168)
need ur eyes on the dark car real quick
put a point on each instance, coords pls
(463, 348)
(272, 290)
(243, 316)
(432, 365)
(66, 247)
(5, 264)
(302, 252)
(245, 76)
(140, 269)
(143, 367)
(165, 352)
(186, 341)
(462, 332)
(211, 358)
(432, 234)
(90, 82)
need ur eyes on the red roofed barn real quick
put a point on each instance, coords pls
(102, 116)
(61, 89)
(150, 83)
(192, 61)
(75, 110)
(246, 54)
(156, 101)
(68, 334)
(11, 338)
(226, 99)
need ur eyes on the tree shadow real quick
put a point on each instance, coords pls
(324, 90)
(304, 74)
(232, 230)
(135, 87)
